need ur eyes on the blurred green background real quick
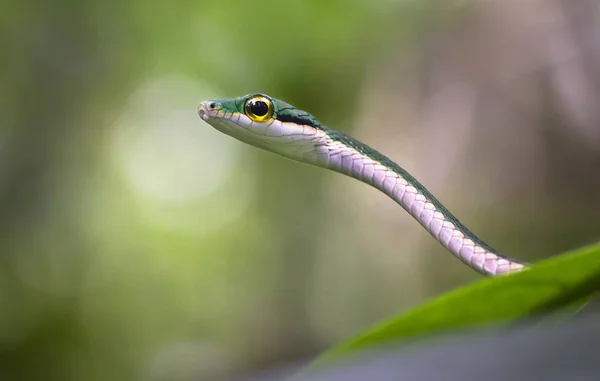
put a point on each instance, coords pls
(137, 243)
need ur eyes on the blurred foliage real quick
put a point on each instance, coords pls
(138, 243)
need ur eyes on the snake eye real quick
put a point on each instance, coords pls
(259, 108)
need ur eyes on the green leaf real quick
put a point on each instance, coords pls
(549, 285)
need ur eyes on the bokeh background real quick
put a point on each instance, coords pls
(137, 243)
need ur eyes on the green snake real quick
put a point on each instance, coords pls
(276, 126)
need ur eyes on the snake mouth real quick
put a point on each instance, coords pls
(203, 112)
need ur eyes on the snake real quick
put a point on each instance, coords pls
(278, 127)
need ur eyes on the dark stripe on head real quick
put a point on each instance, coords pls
(307, 119)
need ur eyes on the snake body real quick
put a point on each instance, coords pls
(279, 127)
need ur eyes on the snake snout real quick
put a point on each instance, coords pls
(202, 111)
(205, 108)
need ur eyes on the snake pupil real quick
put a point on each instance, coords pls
(259, 108)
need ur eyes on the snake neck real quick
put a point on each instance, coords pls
(343, 154)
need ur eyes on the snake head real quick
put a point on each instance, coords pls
(264, 122)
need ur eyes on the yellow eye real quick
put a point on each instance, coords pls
(259, 108)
